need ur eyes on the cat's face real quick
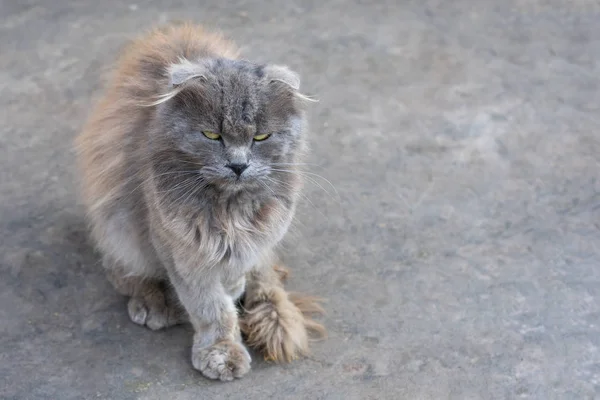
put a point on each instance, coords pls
(236, 125)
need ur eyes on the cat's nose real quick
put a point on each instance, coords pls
(238, 168)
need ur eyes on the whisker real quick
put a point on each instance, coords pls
(304, 173)
(175, 172)
(267, 186)
(276, 181)
(193, 190)
(156, 176)
(282, 164)
(181, 185)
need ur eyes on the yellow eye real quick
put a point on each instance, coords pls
(211, 135)
(258, 138)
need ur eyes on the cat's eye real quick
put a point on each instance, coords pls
(259, 138)
(211, 135)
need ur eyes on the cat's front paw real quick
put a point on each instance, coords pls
(224, 360)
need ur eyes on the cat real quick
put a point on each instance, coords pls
(189, 171)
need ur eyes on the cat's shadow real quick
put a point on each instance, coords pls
(61, 289)
(58, 278)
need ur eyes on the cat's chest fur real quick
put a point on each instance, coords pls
(235, 235)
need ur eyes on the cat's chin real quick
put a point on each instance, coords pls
(236, 185)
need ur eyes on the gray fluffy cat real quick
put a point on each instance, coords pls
(189, 170)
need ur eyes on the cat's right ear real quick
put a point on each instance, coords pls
(184, 71)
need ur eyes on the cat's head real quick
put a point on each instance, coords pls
(235, 124)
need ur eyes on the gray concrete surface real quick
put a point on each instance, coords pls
(460, 258)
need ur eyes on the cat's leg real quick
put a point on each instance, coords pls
(153, 302)
(134, 269)
(217, 349)
(274, 322)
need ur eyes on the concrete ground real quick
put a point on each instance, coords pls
(459, 256)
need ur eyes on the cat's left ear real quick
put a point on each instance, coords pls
(282, 74)
(184, 71)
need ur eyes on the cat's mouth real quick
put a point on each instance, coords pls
(240, 182)
(229, 179)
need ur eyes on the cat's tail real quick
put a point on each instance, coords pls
(277, 323)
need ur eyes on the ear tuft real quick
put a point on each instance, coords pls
(281, 73)
(185, 70)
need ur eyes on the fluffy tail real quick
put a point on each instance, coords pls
(277, 323)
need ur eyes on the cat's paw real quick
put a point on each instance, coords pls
(153, 313)
(224, 360)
